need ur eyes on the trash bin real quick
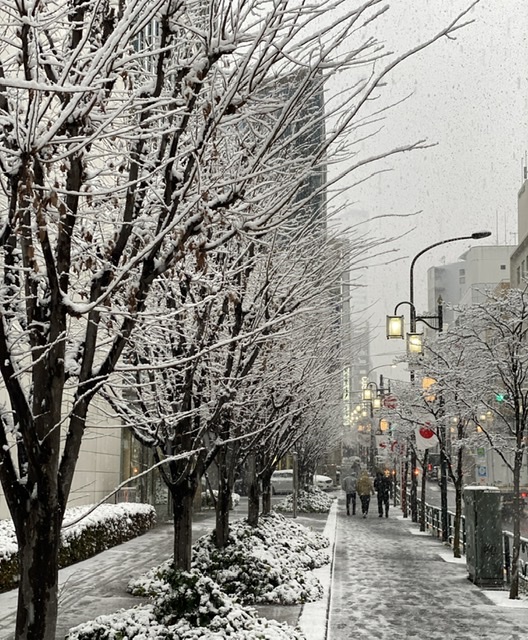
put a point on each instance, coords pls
(484, 536)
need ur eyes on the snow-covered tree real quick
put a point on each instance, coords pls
(411, 412)
(137, 135)
(493, 335)
(447, 364)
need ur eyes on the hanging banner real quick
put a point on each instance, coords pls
(425, 437)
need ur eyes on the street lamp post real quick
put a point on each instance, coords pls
(372, 395)
(395, 329)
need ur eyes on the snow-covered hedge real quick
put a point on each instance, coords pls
(270, 563)
(266, 564)
(192, 606)
(82, 537)
(311, 501)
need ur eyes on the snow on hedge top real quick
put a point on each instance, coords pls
(76, 519)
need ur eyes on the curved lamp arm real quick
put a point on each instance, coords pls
(478, 235)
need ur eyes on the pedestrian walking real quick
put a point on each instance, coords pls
(364, 490)
(382, 484)
(349, 487)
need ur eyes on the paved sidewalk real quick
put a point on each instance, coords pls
(98, 585)
(386, 582)
(391, 582)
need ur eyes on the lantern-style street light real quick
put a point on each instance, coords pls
(396, 323)
(395, 329)
(372, 396)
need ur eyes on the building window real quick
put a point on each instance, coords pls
(503, 267)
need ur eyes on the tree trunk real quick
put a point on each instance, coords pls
(423, 490)
(253, 492)
(223, 502)
(38, 549)
(182, 505)
(514, 585)
(405, 469)
(414, 487)
(457, 552)
(266, 492)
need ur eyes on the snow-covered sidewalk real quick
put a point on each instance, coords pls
(384, 582)
(98, 585)
(389, 584)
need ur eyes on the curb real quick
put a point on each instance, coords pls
(315, 616)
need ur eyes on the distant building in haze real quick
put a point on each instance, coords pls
(479, 270)
(519, 258)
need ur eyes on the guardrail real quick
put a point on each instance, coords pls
(507, 543)
(433, 524)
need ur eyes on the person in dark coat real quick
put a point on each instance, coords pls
(382, 484)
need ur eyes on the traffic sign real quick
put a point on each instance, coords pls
(390, 402)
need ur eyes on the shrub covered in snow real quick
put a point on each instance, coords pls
(268, 563)
(265, 564)
(8, 556)
(84, 534)
(312, 500)
(107, 526)
(192, 607)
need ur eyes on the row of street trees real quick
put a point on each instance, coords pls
(156, 157)
(480, 368)
(242, 359)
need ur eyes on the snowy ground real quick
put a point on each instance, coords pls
(386, 584)
(393, 583)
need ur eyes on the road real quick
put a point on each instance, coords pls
(433, 497)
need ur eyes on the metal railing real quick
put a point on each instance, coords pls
(507, 543)
(433, 524)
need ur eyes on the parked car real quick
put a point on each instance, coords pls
(323, 482)
(282, 481)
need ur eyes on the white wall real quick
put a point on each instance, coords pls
(99, 464)
(485, 268)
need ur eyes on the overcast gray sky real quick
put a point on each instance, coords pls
(470, 96)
